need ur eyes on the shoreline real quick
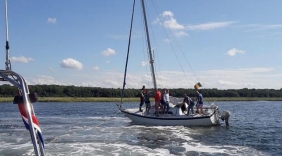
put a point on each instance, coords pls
(136, 99)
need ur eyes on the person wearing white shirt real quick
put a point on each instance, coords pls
(166, 100)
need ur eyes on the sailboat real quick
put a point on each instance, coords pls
(175, 117)
(24, 99)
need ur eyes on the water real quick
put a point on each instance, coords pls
(97, 129)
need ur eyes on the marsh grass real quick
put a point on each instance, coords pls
(212, 99)
(74, 99)
(107, 99)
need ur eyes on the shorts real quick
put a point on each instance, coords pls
(200, 105)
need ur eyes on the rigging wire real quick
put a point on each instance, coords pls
(149, 46)
(127, 56)
(145, 49)
(174, 49)
(157, 56)
(184, 55)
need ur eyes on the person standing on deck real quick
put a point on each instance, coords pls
(162, 101)
(147, 101)
(157, 97)
(141, 98)
(166, 101)
(185, 100)
(191, 105)
(200, 102)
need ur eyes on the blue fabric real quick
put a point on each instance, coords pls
(141, 102)
(191, 107)
(200, 99)
(166, 107)
(186, 99)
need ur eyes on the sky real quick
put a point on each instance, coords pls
(221, 44)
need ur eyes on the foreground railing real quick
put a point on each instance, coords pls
(24, 101)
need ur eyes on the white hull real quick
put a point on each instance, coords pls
(176, 119)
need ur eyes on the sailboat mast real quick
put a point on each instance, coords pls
(7, 63)
(149, 46)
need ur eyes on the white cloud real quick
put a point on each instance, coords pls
(221, 79)
(234, 51)
(167, 13)
(43, 79)
(144, 63)
(21, 59)
(256, 70)
(71, 63)
(222, 82)
(90, 84)
(52, 20)
(167, 40)
(96, 68)
(241, 78)
(170, 22)
(208, 26)
(242, 71)
(108, 61)
(107, 79)
(180, 33)
(108, 52)
(111, 82)
(234, 84)
(263, 26)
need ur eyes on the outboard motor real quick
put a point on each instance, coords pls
(225, 117)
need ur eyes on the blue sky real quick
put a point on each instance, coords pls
(222, 44)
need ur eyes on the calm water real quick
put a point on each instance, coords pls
(97, 129)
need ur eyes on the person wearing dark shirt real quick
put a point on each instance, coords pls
(147, 101)
(191, 106)
(141, 98)
(185, 100)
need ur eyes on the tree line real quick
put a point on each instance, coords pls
(75, 91)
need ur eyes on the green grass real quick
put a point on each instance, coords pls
(243, 99)
(105, 99)
(83, 99)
